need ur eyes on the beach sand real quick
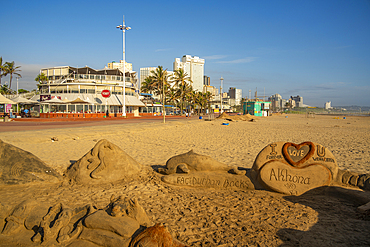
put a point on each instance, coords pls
(209, 217)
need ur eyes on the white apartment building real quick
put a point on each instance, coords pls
(194, 67)
(327, 105)
(235, 94)
(145, 73)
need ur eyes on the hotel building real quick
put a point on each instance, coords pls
(80, 90)
(194, 67)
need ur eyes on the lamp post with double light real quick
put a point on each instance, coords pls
(123, 28)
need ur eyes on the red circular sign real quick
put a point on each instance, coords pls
(105, 93)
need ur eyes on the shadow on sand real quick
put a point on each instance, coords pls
(339, 222)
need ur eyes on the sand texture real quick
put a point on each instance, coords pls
(327, 216)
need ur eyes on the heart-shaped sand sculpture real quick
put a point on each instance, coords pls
(293, 169)
(296, 155)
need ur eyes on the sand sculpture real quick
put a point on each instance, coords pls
(20, 167)
(245, 117)
(121, 222)
(283, 167)
(296, 168)
(104, 163)
(196, 170)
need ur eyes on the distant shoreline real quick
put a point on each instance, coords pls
(345, 114)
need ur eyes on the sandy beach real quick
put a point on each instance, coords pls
(209, 217)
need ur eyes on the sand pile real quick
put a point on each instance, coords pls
(246, 117)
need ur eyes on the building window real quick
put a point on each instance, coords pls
(92, 77)
(92, 91)
(83, 90)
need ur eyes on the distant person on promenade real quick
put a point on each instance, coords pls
(26, 112)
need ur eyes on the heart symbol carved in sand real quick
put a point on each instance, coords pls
(297, 154)
(284, 178)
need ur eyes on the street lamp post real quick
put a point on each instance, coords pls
(222, 80)
(124, 28)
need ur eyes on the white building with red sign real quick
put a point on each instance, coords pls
(83, 90)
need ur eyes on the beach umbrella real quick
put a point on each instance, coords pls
(78, 100)
(4, 100)
(21, 100)
(53, 101)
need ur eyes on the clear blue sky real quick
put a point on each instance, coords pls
(319, 50)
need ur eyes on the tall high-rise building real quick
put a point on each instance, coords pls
(236, 94)
(298, 100)
(327, 105)
(194, 67)
(276, 102)
(206, 81)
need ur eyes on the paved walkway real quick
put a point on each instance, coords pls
(25, 124)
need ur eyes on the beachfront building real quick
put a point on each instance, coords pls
(327, 105)
(194, 67)
(115, 65)
(257, 108)
(236, 95)
(298, 100)
(145, 73)
(277, 102)
(82, 90)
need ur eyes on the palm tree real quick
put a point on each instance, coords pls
(1, 69)
(148, 85)
(207, 98)
(173, 96)
(181, 79)
(41, 78)
(4, 89)
(10, 69)
(160, 78)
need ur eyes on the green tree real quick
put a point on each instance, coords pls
(160, 80)
(22, 91)
(173, 96)
(9, 68)
(148, 85)
(5, 90)
(182, 80)
(1, 69)
(41, 78)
